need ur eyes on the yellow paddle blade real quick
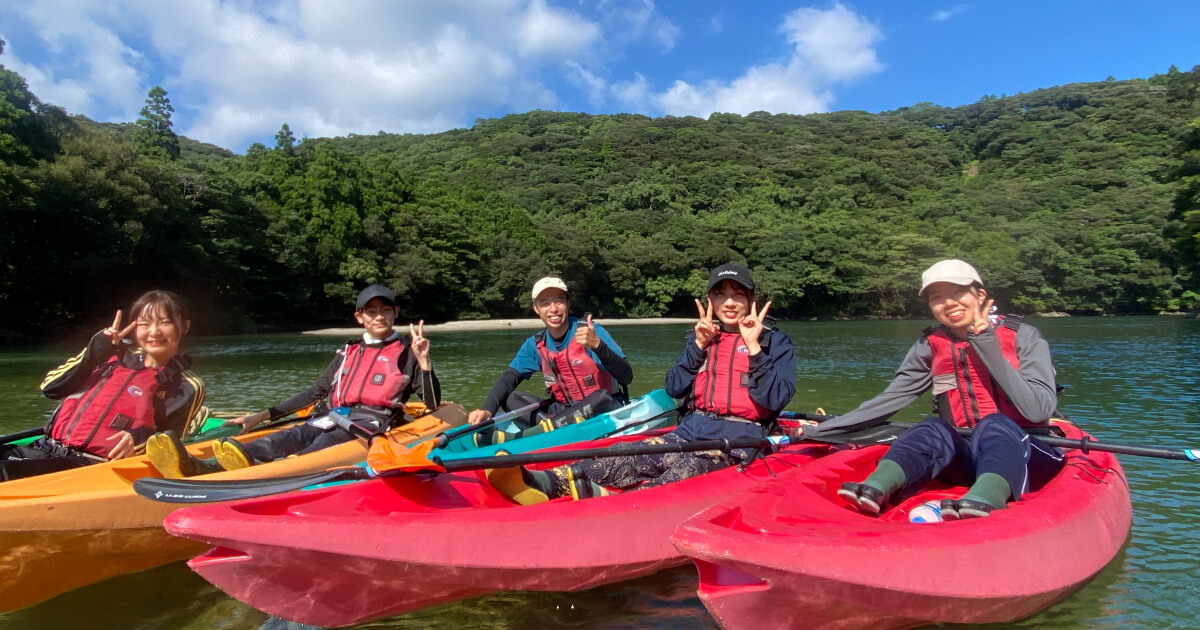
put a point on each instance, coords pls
(388, 455)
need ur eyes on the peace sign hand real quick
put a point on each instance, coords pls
(115, 333)
(420, 345)
(706, 330)
(586, 335)
(751, 326)
(982, 323)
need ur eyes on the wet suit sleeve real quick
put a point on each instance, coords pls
(505, 385)
(315, 392)
(1031, 389)
(70, 377)
(614, 364)
(773, 371)
(913, 378)
(682, 375)
(183, 401)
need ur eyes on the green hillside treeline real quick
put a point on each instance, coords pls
(1081, 198)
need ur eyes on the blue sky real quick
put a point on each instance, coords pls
(236, 70)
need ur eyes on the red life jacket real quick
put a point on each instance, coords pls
(571, 373)
(963, 388)
(115, 398)
(370, 375)
(722, 385)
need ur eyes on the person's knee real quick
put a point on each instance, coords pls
(933, 431)
(998, 425)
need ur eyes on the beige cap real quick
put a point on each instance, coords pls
(952, 270)
(548, 283)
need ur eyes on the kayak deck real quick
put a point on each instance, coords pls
(791, 552)
(350, 554)
(90, 519)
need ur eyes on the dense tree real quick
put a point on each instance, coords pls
(1081, 198)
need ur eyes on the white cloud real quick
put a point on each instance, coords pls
(550, 32)
(594, 86)
(635, 20)
(830, 46)
(635, 94)
(773, 88)
(946, 14)
(836, 42)
(237, 70)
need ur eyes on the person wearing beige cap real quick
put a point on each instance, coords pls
(581, 363)
(995, 377)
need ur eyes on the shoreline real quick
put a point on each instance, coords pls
(473, 325)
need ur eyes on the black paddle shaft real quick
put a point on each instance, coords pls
(1084, 444)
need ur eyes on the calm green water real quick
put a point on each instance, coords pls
(1131, 380)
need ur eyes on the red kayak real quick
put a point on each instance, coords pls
(349, 554)
(790, 553)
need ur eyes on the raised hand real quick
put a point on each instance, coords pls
(706, 330)
(420, 345)
(751, 327)
(586, 335)
(115, 333)
(982, 323)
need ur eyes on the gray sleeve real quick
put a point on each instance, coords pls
(913, 378)
(1031, 389)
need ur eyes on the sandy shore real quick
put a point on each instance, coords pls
(502, 324)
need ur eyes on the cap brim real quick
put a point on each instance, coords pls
(959, 280)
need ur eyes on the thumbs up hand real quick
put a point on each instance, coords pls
(586, 334)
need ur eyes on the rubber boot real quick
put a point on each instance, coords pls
(231, 455)
(167, 453)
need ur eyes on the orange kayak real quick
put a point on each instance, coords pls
(68, 529)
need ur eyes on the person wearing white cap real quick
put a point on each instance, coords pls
(582, 365)
(994, 377)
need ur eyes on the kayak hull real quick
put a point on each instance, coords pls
(347, 555)
(790, 553)
(90, 519)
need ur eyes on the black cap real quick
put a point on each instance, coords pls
(372, 292)
(730, 271)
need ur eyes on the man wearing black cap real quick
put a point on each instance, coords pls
(373, 377)
(736, 373)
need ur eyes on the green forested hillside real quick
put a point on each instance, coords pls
(1080, 198)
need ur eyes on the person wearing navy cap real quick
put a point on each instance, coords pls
(373, 376)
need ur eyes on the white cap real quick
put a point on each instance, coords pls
(953, 270)
(548, 283)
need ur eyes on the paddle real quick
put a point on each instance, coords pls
(197, 491)
(1084, 444)
(200, 491)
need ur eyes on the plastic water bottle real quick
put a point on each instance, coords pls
(927, 512)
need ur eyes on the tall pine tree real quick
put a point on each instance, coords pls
(154, 136)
